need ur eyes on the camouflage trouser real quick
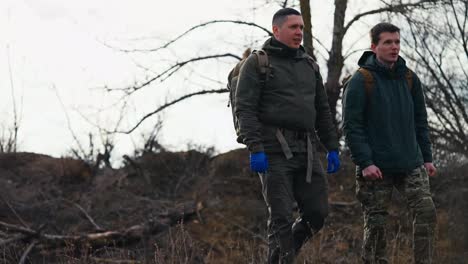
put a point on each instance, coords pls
(375, 197)
(284, 184)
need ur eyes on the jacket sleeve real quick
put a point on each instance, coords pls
(248, 94)
(354, 122)
(420, 120)
(324, 121)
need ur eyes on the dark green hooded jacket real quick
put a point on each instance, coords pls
(388, 127)
(293, 98)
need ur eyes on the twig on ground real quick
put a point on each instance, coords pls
(255, 235)
(27, 251)
(90, 219)
(13, 239)
(14, 211)
(344, 203)
(116, 261)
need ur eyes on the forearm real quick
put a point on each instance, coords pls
(421, 123)
(361, 153)
(324, 120)
(247, 100)
(250, 131)
(354, 122)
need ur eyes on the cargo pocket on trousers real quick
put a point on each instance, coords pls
(364, 189)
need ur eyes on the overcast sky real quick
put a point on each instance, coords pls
(68, 49)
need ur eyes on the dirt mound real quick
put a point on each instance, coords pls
(188, 207)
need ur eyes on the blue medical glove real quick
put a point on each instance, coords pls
(333, 161)
(258, 162)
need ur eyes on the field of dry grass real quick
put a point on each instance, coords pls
(188, 207)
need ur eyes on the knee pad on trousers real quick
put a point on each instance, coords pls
(425, 212)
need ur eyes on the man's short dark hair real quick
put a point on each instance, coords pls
(380, 28)
(280, 16)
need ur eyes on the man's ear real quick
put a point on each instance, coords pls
(275, 30)
(373, 46)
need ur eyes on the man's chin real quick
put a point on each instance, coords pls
(293, 46)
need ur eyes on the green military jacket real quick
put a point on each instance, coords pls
(293, 98)
(387, 127)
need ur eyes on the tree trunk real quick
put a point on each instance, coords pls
(335, 61)
(305, 10)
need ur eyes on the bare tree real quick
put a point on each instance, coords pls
(308, 35)
(90, 154)
(334, 57)
(440, 54)
(175, 68)
(9, 133)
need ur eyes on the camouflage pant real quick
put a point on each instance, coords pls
(375, 197)
(284, 184)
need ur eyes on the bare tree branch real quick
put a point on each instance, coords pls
(115, 261)
(90, 219)
(456, 99)
(240, 22)
(14, 211)
(323, 45)
(13, 239)
(80, 152)
(461, 28)
(391, 8)
(223, 90)
(27, 251)
(15, 114)
(132, 233)
(171, 70)
(435, 44)
(9, 137)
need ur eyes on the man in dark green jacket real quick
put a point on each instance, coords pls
(278, 117)
(386, 129)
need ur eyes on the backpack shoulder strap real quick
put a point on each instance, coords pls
(368, 81)
(262, 59)
(409, 79)
(312, 62)
(263, 65)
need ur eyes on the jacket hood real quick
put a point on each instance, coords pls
(369, 61)
(274, 46)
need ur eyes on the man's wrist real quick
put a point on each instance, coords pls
(366, 164)
(256, 147)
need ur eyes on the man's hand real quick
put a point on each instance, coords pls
(431, 170)
(258, 162)
(372, 172)
(333, 161)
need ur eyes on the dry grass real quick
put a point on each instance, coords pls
(230, 228)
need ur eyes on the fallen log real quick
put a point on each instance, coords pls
(127, 235)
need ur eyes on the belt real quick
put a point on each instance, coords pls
(288, 153)
(297, 134)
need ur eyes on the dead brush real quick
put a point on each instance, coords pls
(177, 248)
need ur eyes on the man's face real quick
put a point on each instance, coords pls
(388, 48)
(290, 32)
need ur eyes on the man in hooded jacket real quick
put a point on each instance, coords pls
(278, 118)
(386, 129)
